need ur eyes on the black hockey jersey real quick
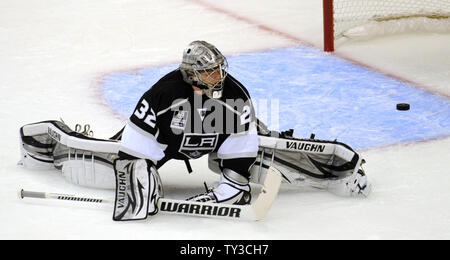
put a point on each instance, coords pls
(172, 121)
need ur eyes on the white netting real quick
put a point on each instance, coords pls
(355, 18)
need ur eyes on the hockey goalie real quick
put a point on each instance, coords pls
(198, 109)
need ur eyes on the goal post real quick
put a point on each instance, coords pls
(328, 26)
(367, 18)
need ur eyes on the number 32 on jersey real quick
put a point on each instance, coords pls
(141, 113)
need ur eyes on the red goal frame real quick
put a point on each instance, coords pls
(328, 26)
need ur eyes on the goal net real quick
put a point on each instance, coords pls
(368, 18)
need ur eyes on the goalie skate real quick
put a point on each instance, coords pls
(227, 191)
(356, 185)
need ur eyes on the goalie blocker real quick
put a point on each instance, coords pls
(87, 161)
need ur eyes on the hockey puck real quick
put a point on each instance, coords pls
(403, 106)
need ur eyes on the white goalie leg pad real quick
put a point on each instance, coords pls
(138, 188)
(36, 150)
(35, 161)
(327, 165)
(87, 169)
(355, 185)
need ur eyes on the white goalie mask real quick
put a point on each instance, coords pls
(204, 67)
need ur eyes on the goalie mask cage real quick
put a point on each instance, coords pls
(366, 18)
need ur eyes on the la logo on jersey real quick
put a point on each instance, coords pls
(195, 146)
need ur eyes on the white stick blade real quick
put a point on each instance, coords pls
(268, 193)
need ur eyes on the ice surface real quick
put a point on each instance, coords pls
(55, 55)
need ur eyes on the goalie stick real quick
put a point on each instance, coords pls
(255, 211)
